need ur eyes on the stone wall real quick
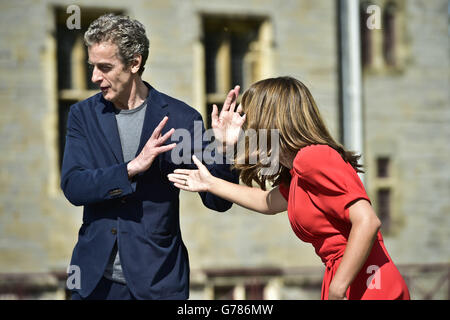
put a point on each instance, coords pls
(406, 116)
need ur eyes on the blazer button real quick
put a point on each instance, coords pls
(114, 231)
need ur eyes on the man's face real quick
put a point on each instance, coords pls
(109, 72)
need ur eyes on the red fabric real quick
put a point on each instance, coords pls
(322, 188)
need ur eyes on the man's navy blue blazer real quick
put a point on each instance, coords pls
(142, 214)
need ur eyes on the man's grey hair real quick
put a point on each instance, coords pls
(127, 34)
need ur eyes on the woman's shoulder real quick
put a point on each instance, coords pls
(316, 157)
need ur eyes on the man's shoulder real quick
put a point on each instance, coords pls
(88, 103)
(180, 107)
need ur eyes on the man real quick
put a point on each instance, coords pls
(115, 165)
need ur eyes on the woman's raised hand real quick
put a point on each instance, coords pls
(228, 123)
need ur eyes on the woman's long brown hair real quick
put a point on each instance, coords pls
(284, 104)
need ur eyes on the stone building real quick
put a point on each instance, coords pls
(198, 50)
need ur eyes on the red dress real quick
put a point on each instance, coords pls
(322, 188)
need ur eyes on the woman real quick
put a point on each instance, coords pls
(317, 183)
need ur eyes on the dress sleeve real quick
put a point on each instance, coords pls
(331, 183)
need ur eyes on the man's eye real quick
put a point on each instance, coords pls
(101, 68)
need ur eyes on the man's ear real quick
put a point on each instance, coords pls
(136, 63)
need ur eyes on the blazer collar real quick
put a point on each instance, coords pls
(155, 112)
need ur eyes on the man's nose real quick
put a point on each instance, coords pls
(97, 75)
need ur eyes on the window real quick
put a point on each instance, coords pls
(383, 43)
(233, 51)
(384, 208)
(366, 36)
(383, 167)
(384, 181)
(74, 75)
(224, 292)
(389, 34)
(241, 284)
(254, 290)
(384, 192)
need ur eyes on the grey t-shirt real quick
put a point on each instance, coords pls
(129, 123)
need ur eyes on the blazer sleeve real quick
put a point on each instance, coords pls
(81, 182)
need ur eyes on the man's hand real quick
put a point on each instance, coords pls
(228, 123)
(151, 150)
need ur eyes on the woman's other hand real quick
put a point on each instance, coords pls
(192, 180)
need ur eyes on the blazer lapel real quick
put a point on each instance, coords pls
(108, 123)
(154, 113)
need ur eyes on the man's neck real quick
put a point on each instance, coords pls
(138, 92)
